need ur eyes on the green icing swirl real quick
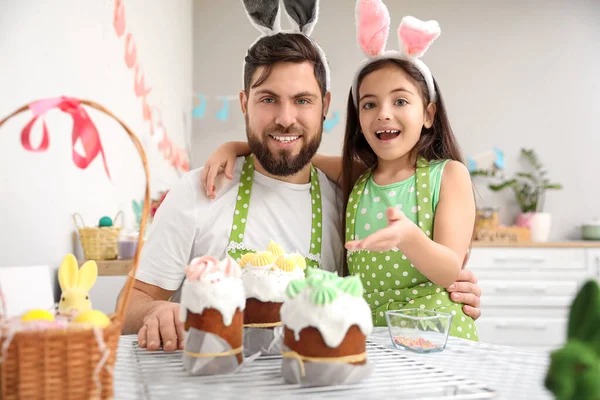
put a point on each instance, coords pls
(323, 294)
(317, 276)
(350, 285)
(294, 287)
(311, 271)
(326, 286)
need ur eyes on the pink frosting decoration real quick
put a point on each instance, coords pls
(373, 21)
(199, 266)
(228, 267)
(416, 36)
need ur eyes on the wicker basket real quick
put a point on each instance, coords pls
(98, 243)
(69, 363)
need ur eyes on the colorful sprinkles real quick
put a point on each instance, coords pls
(418, 343)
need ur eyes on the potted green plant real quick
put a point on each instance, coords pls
(530, 192)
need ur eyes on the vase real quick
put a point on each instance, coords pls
(539, 224)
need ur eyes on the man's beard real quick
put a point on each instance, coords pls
(282, 163)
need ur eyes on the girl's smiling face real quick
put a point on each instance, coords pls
(392, 112)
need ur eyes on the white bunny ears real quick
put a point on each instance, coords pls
(415, 37)
(303, 14)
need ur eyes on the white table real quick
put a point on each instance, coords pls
(464, 370)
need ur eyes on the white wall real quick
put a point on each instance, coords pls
(514, 74)
(69, 47)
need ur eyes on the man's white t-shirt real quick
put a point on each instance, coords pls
(188, 224)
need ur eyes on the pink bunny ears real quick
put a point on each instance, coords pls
(415, 37)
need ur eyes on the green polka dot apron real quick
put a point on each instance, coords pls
(236, 248)
(390, 280)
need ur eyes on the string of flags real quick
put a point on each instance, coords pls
(220, 108)
(491, 160)
(177, 156)
(223, 111)
(330, 123)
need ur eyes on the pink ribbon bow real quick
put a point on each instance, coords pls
(83, 129)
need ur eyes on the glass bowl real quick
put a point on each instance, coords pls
(418, 330)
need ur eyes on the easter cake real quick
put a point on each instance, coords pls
(326, 324)
(266, 275)
(212, 306)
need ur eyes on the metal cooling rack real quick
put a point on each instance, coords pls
(140, 374)
(512, 372)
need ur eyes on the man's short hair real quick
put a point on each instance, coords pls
(283, 47)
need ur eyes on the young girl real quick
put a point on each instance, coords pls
(410, 213)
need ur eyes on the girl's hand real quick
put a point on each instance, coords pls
(222, 160)
(399, 230)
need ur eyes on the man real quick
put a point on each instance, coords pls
(271, 196)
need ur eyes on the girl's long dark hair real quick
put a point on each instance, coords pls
(435, 143)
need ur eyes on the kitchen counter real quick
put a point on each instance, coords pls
(121, 267)
(561, 244)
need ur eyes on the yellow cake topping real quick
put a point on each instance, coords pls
(262, 259)
(246, 258)
(286, 263)
(275, 249)
(300, 261)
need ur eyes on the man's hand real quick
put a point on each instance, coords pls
(465, 290)
(162, 324)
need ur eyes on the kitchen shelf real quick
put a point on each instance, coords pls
(121, 267)
(112, 267)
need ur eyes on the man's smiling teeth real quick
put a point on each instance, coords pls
(285, 139)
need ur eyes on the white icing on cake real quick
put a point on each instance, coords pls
(268, 283)
(332, 320)
(216, 288)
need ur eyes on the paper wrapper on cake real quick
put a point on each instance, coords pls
(264, 340)
(323, 374)
(263, 331)
(201, 342)
(266, 275)
(326, 324)
(212, 305)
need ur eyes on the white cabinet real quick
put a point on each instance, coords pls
(527, 291)
(522, 332)
(593, 258)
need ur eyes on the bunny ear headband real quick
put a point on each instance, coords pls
(415, 37)
(303, 14)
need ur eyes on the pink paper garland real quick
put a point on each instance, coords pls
(176, 156)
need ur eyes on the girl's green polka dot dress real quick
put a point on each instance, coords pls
(390, 280)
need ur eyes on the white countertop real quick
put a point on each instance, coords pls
(464, 370)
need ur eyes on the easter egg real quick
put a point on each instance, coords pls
(93, 317)
(37, 315)
(105, 221)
